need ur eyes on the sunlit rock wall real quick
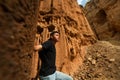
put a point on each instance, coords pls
(68, 18)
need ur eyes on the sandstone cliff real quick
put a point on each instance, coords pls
(18, 19)
(104, 18)
(75, 32)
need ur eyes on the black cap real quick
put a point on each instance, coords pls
(53, 32)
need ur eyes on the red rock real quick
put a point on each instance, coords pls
(104, 18)
(18, 24)
(75, 32)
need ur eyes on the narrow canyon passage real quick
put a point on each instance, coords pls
(25, 23)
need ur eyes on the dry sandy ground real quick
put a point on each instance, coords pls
(102, 62)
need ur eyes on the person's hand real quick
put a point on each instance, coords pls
(37, 47)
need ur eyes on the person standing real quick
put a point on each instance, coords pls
(47, 54)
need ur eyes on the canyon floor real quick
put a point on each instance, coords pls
(101, 62)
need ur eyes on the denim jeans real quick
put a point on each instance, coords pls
(57, 76)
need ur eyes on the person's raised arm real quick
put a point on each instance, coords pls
(37, 47)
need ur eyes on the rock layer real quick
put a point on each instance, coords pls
(75, 32)
(104, 18)
(18, 19)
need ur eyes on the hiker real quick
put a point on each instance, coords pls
(47, 54)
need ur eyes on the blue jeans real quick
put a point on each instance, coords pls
(57, 76)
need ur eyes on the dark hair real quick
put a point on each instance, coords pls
(53, 32)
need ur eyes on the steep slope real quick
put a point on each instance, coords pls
(101, 62)
(104, 18)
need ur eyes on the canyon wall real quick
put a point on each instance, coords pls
(68, 18)
(104, 18)
(18, 19)
(28, 22)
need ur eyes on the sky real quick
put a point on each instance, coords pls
(82, 2)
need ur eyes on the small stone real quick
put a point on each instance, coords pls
(111, 60)
(93, 61)
(109, 66)
(98, 55)
(89, 58)
(118, 67)
(100, 74)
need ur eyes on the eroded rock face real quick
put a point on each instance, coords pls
(75, 32)
(18, 19)
(104, 18)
